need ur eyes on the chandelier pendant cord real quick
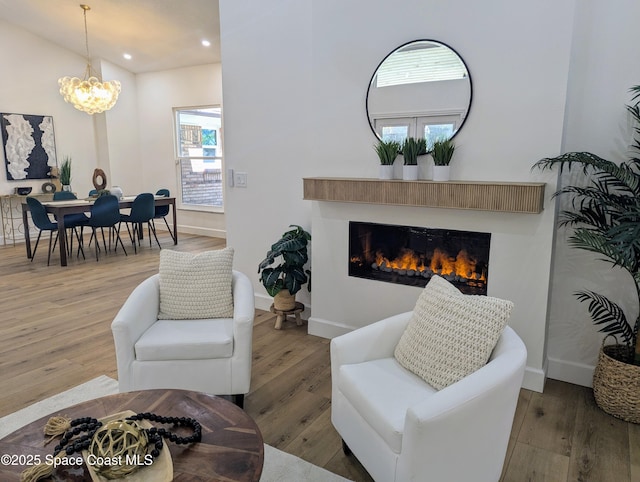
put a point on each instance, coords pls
(90, 70)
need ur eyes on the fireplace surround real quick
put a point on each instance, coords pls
(411, 255)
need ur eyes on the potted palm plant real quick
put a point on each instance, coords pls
(442, 152)
(387, 152)
(605, 217)
(65, 174)
(282, 272)
(411, 149)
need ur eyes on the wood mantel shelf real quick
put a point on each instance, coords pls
(515, 197)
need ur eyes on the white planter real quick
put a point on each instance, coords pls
(385, 171)
(66, 187)
(441, 173)
(116, 191)
(410, 173)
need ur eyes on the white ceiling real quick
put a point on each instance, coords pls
(159, 34)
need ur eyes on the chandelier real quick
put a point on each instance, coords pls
(89, 94)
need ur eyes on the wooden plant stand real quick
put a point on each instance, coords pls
(282, 315)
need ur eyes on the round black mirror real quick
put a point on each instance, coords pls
(421, 89)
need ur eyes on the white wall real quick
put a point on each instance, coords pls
(158, 94)
(132, 142)
(604, 66)
(307, 115)
(118, 134)
(29, 85)
(267, 58)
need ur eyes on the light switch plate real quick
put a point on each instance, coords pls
(240, 179)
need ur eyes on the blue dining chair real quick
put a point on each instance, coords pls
(42, 221)
(161, 212)
(105, 213)
(142, 211)
(72, 222)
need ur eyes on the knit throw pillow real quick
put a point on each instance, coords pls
(450, 335)
(195, 286)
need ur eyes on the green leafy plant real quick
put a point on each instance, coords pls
(411, 149)
(65, 171)
(605, 216)
(387, 152)
(442, 151)
(289, 254)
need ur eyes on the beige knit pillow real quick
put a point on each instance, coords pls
(195, 286)
(450, 335)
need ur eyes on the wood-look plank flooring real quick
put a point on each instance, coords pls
(55, 334)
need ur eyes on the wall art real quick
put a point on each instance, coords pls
(29, 145)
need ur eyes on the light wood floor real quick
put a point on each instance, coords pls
(55, 333)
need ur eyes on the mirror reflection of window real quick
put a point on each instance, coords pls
(424, 62)
(422, 88)
(438, 131)
(395, 133)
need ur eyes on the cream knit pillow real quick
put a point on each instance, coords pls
(450, 335)
(195, 286)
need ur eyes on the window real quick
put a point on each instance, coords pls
(200, 157)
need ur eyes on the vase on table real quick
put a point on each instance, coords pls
(116, 191)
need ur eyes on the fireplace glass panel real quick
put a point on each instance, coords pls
(410, 255)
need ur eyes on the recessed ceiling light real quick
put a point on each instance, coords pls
(206, 43)
(127, 56)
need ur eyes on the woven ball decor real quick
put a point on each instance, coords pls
(118, 440)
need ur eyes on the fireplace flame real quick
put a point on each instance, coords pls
(441, 263)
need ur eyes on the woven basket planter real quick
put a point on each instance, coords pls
(284, 301)
(616, 384)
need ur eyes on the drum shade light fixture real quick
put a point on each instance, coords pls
(89, 94)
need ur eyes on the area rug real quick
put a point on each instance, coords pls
(278, 465)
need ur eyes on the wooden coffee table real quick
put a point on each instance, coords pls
(231, 448)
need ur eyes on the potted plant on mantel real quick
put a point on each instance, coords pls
(605, 216)
(285, 279)
(442, 153)
(65, 174)
(411, 149)
(387, 152)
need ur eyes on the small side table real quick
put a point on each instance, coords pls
(282, 315)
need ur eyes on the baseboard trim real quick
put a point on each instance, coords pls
(200, 231)
(534, 379)
(197, 230)
(263, 302)
(327, 329)
(571, 372)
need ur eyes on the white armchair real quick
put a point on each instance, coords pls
(402, 429)
(211, 355)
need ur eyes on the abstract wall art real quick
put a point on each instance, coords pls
(29, 145)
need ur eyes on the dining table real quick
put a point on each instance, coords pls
(70, 206)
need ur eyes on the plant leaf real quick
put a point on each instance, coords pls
(605, 312)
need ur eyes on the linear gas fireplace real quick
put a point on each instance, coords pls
(411, 255)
